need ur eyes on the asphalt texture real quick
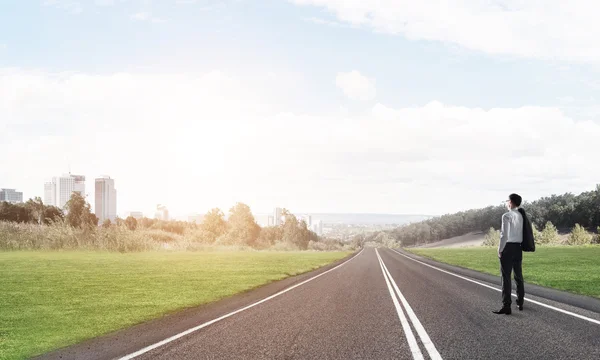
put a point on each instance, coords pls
(352, 312)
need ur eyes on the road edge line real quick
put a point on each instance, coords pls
(567, 312)
(208, 323)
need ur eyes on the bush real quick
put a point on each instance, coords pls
(160, 236)
(579, 236)
(131, 223)
(492, 238)
(175, 227)
(199, 235)
(325, 245)
(597, 238)
(548, 236)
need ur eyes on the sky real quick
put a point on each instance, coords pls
(347, 106)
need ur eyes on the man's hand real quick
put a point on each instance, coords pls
(499, 254)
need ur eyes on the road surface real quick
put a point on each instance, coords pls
(379, 304)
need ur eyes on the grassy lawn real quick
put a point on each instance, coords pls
(53, 299)
(571, 268)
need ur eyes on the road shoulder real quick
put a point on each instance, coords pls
(580, 301)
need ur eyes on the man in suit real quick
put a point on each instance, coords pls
(511, 254)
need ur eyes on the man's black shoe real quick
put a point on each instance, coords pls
(520, 304)
(504, 310)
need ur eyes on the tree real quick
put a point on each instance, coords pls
(269, 236)
(106, 223)
(214, 225)
(79, 213)
(52, 214)
(131, 223)
(579, 236)
(36, 207)
(242, 228)
(15, 213)
(296, 232)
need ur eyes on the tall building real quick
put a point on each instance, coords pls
(161, 212)
(58, 191)
(277, 214)
(106, 199)
(270, 221)
(11, 196)
(50, 193)
(318, 227)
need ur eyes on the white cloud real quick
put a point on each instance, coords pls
(553, 29)
(74, 7)
(321, 21)
(194, 141)
(104, 2)
(356, 86)
(146, 16)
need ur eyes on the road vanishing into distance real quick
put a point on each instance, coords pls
(377, 304)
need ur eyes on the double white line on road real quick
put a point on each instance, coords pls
(412, 342)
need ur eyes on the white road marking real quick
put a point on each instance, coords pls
(500, 290)
(196, 328)
(429, 346)
(410, 337)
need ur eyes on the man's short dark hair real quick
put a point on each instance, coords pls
(515, 199)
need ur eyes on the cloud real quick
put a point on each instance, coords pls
(356, 86)
(74, 7)
(194, 141)
(552, 29)
(146, 16)
(321, 21)
(104, 2)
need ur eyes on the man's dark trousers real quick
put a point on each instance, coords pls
(511, 260)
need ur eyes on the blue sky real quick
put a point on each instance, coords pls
(273, 35)
(288, 57)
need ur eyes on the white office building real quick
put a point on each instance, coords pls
(277, 214)
(58, 191)
(106, 199)
(11, 195)
(318, 227)
(161, 212)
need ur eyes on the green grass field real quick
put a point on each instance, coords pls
(570, 268)
(52, 299)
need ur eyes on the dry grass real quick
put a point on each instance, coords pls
(60, 236)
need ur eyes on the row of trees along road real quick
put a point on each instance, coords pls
(563, 211)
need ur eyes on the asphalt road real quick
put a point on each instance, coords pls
(380, 304)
